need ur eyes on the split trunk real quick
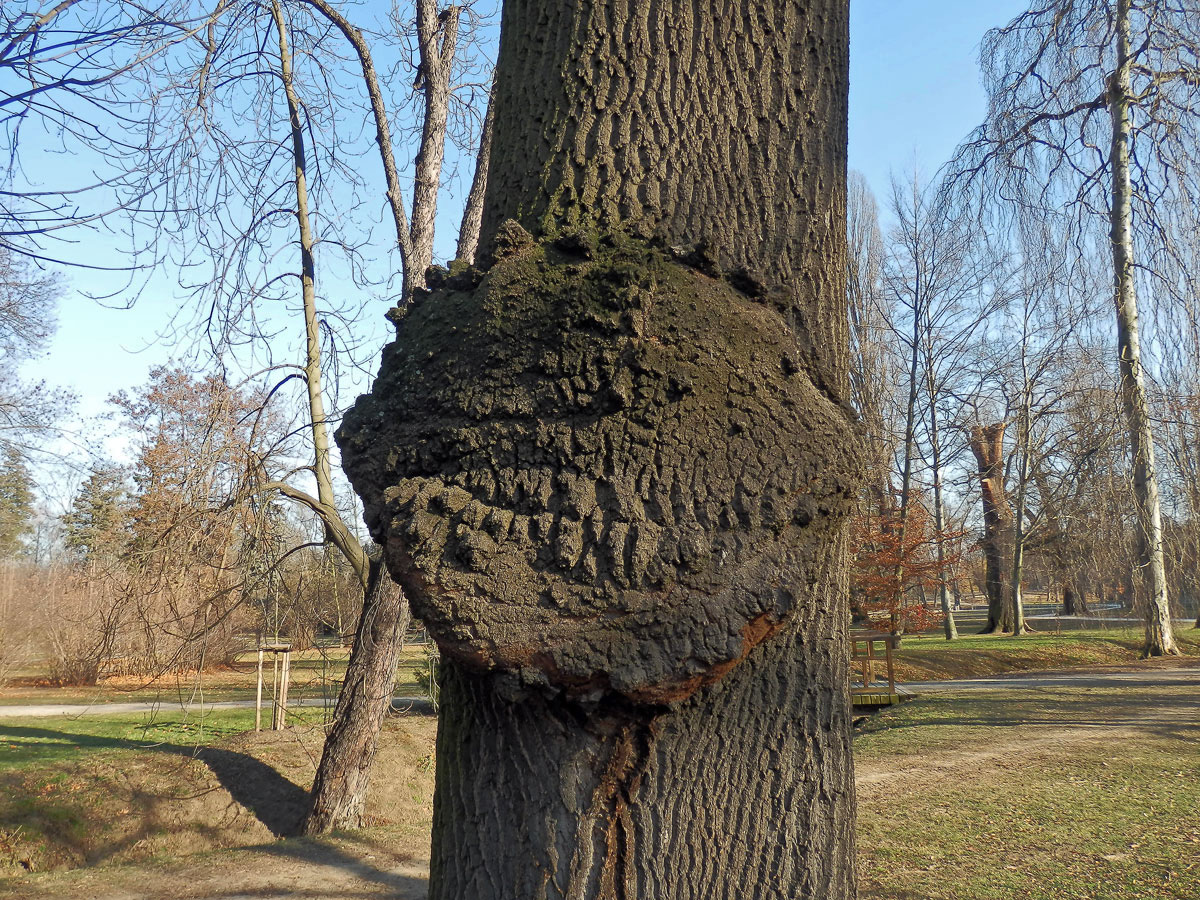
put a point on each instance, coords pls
(987, 443)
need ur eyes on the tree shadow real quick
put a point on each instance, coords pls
(275, 800)
(322, 853)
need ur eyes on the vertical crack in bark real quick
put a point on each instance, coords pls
(628, 741)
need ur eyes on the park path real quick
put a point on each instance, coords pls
(47, 710)
(1134, 676)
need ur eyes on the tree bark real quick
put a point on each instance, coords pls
(472, 218)
(630, 801)
(685, 123)
(340, 789)
(987, 443)
(1160, 638)
(614, 486)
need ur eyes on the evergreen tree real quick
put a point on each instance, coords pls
(97, 524)
(16, 505)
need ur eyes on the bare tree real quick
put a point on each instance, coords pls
(239, 127)
(1049, 304)
(940, 278)
(873, 361)
(1091, 125)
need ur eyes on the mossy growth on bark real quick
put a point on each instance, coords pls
(598, 470)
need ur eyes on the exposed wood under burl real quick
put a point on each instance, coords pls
(599, 471)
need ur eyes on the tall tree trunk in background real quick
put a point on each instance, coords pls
(987, 443)
(340, 788)
(1016, 601)
(472, 218)
(342, 775)
(1074, 599)
(614, 486)
(1160, 638)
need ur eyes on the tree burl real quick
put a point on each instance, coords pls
(599, 470)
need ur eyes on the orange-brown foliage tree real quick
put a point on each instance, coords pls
(894, 568)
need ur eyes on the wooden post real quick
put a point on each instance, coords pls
(258, 694)
(283, 688)
(889, 644)
(274, 691)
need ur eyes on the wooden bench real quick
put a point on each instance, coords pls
(868, 685)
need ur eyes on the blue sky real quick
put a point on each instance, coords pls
(914, 81)
(914, 95)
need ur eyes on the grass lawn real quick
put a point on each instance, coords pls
(1053, 794)
(90, 790)
(1072, 795)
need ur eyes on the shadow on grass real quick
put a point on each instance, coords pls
(321, 853)
(275, 800)
(272, 798)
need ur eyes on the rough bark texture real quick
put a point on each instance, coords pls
(599, 474)
(706, 123)
(611, 471)
(735, 793)
(340, 789)
(987, 443)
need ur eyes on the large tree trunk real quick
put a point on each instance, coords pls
(614, 484)
(987, 443)
(1160, 638)
(340, 789)
(630, 801)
